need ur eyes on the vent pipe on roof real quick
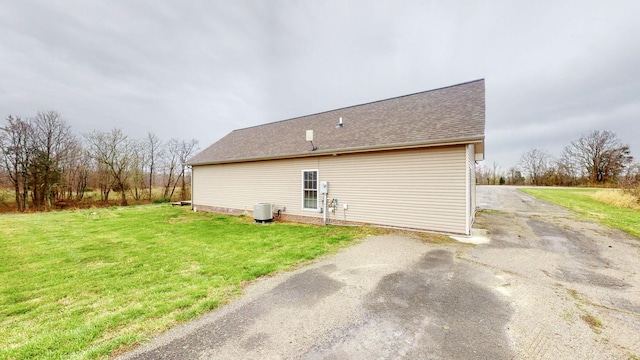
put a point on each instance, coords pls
(340, 124)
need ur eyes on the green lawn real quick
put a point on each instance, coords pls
(581, 201)
(92, 283)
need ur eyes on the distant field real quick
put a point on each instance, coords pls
(583, 201)
(87, 284)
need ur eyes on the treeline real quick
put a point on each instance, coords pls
(598, 158)
(44, 163)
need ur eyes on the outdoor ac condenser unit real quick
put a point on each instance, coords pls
(262, 212)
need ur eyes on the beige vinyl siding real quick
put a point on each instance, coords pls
(241, 185)
(423, 188)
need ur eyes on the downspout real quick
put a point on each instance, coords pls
(467, 186)
(192, 205)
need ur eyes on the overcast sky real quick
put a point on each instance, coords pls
(199, 69)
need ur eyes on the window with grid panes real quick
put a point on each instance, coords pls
(310, 189)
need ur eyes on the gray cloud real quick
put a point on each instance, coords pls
(554, 70)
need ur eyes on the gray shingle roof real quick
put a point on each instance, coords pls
(454, 114)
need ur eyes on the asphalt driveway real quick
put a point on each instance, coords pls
(546, 286)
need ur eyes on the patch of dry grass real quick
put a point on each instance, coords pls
(617, 198)
(594, 323)
(427, 237)
(582, 202)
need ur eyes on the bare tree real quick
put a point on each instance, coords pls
(177, 152)
(16, 146)
(102, 177)
(81, 172)
(154, 152)
(514, 176)
(481, 175)
(187, 149)
(137, 170)
(568, 171)
(74, 168)
(534, 163)
(53, 142)
(171, 167)
(113, 151)
(631, 181)
(495, 172)
(633, 173)
(600, 154)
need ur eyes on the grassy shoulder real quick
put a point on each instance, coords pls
(582, 201)
(91, 283)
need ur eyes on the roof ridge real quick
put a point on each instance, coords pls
(366, 103)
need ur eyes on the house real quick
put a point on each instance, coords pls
(405, 162)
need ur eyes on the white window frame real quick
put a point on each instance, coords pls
(317, 189)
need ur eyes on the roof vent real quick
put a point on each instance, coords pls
(340, 124)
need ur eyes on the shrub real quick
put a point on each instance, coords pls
(631, 182)
(633, 189)
(161, 201)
